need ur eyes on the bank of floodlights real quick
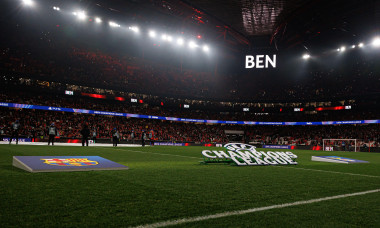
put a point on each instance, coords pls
(152, 34)
(306, 56)
(192, 45)
(376, 42)
(82, 16)
(205, 48)
(114, 24)
(180, 41)
(134, 29)
(28, 2)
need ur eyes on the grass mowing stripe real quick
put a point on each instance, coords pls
(327, 171)
(242, 212)
(144, 152)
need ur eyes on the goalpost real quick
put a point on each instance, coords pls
(340, 144)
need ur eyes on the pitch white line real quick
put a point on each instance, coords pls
(242, 212)
(144, 152)
(327, 171)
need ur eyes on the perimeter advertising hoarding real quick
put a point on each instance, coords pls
(85, 111)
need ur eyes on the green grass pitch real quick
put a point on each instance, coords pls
(169, 183)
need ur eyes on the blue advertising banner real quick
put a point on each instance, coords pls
(19, 139)
(168, 144)
(85, 111)
(64, 163)
(277, 147)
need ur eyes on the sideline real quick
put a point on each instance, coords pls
(252, 210)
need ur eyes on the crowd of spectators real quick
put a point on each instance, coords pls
(46, 97)
(35, 122)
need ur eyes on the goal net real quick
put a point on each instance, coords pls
(340, 145)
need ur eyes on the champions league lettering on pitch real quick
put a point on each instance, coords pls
(260, 61)
(244, 155)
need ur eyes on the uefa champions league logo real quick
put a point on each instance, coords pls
(244, 154)
(239, 147)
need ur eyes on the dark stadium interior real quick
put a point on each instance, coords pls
(44, 52)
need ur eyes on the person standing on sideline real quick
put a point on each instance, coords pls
(115, 136)
(133, 136)
(52, 131)
(85, 134)
(15, 129)
(151, 137)
(143, 137)
(94, 134)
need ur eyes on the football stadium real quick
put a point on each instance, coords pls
(190, 113)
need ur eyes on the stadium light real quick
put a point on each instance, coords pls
(113, 24)
(360, 45)
(164, 37)
(180, 41)
(306, 56)
(56, 8)
(353, 46)
(28, 2)
(192, 44)
(169, 38)
(152, 33)
(338, 49)
(342, 49)
(134, 28)
(98, 20)
(205, 48)
(376, 42)
(81, 15)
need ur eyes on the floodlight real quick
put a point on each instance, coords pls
(56, 8)
(152, 34)
(81, 15)
(180, 41)
(306, 56)
(28, 2)
(192, 44)
(353, 46)
(338, 49)
(342, 49)
(169, 38)
(134, 28)
(360, 45)
(75, 13)
(98, 20)
(164, 37)
(205, 48)
(113, 24)
(376, 42)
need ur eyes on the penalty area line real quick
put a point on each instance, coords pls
(328, 171)
(252, 210)
(144, 152)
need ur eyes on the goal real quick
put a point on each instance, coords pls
(340, 145)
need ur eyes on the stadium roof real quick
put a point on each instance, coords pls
(251, 23)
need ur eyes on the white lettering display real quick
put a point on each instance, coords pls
(250, 61)
(246, 155)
